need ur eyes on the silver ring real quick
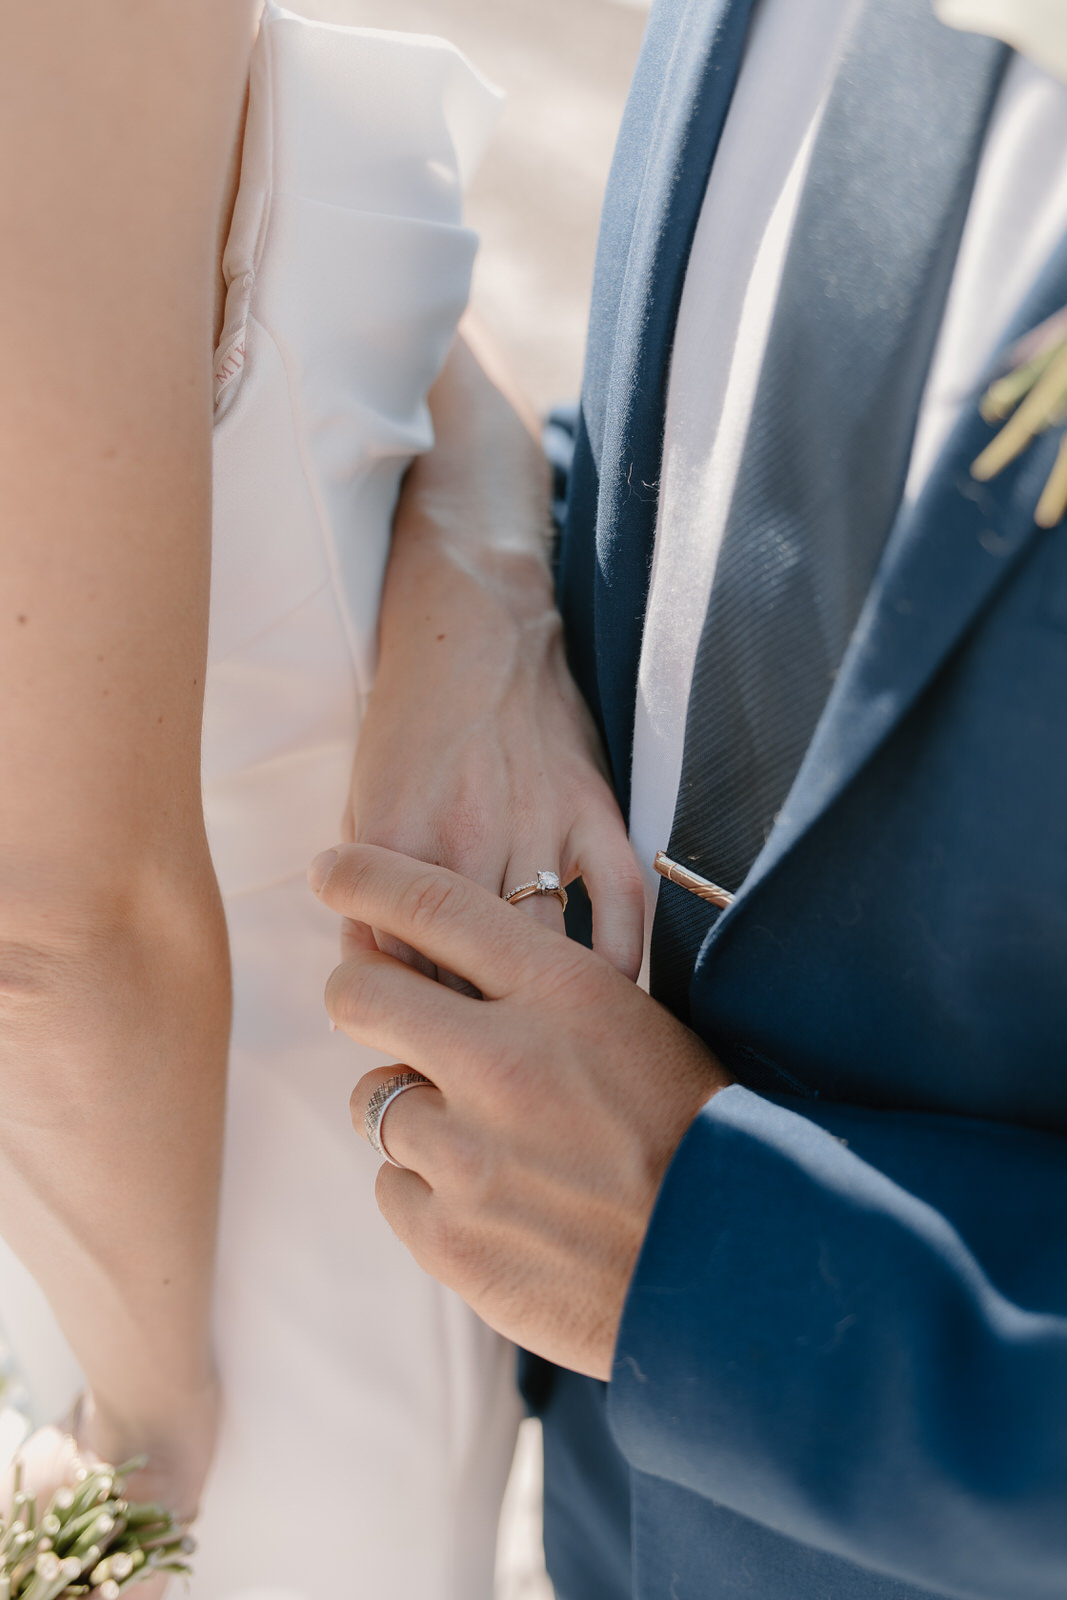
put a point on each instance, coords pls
(378, 1104)
(544, 883)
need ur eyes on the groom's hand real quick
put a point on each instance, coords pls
(559, 1100)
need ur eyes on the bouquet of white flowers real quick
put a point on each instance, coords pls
(87, 1537)
(89, 1540)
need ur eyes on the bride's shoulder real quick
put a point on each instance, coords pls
(358, 146)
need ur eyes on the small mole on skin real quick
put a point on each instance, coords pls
(23, 619)
(440, 636)
(159, 722)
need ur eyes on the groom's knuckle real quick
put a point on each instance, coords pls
(354, 866)
(509, 1072)
(458, 1250)
(432, 899)
(471, 1164)
(388, 1197)
(437, 1244)
(596, 987)
(566, 975)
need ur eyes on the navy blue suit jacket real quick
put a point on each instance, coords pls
(842, 1367)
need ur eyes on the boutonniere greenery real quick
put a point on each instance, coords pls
(1030, 400)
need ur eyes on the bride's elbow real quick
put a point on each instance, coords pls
(88, 990)
(50, 991)
(37, 979)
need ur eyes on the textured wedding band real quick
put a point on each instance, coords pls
(379, 1104)
(544, 883)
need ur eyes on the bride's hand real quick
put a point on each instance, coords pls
(490, 766)
(477, 751)
(178, 1447)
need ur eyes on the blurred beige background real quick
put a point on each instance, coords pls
(565, 66)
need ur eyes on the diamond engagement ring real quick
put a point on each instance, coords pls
(378, 1104)
(544, 883)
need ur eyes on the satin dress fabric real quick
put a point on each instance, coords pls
(370, 1418)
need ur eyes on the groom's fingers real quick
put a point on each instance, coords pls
(543, 908)
(407, 1203)
(413, 1128)
(386, 1004)
(452, 922)
(354, 937)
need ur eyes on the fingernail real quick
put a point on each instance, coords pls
(321, 868)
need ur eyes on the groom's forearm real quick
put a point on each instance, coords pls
(884, 1286)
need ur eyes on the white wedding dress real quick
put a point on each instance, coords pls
(370, 1418)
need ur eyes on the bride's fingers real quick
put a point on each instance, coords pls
(460, 985)
(403, 952)
(547, 909)
(616, 889)
(356, 938)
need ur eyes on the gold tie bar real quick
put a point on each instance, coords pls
(702, 887)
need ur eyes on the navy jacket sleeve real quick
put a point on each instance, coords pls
(851, 1326)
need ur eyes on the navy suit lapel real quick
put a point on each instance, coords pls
(674, 118)
(946, 558)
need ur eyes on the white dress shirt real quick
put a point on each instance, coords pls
(1018, 212)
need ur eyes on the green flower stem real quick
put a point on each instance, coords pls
(89, 1543)
(1001, 398)
(1052, 507)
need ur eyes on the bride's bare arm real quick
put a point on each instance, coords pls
(117, 120)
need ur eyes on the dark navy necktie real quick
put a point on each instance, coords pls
(863, 290)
